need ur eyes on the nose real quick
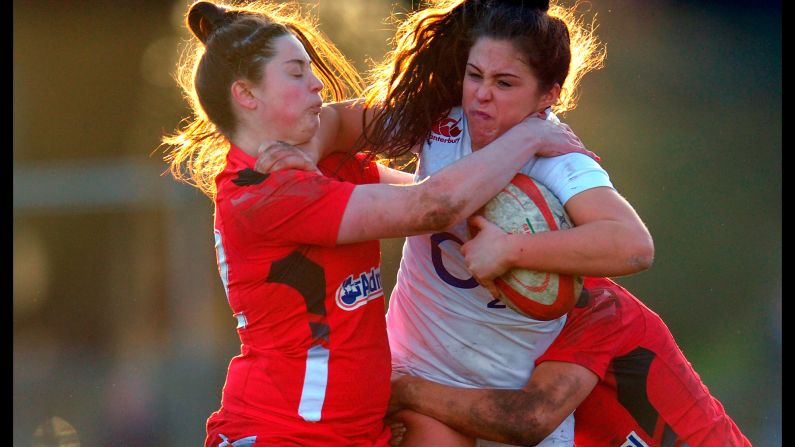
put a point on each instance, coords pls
(483, 92)
(315, 84)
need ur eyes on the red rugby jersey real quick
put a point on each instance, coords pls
(648, 393)
(314, 365)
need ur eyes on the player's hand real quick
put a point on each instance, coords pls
(485, 254)
(398, 429)
(556, 137)
(399, 381)
(275, 155)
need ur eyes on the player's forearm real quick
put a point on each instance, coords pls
(394, 176)
(462, 188)
(507, 416)
(377, 211)
(601, 248)
(351, 119)
(340, 127)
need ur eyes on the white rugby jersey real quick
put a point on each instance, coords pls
(445, 327)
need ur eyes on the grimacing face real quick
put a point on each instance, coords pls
(289, 93)
(500, 90)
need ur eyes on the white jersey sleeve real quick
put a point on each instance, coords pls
(567, 175)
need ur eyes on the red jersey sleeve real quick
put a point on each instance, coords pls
(595, 332)
(298, 207)
(357, 169)
(292, 206)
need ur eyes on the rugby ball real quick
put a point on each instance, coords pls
(527, 206)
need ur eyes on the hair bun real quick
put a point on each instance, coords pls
(542, 5)
(204, 18)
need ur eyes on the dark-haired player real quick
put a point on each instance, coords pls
(478, 67)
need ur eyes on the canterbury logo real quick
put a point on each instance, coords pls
(446, 131)
(447, 127)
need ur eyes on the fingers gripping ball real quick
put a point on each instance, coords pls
(527, 206)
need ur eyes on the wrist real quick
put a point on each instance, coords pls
(398, 390)
(530, 137)
(311, 151)
(512, 250)
(406, 392)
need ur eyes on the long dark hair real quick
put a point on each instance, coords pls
(421, 80)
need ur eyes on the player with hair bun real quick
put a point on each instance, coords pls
(297, 251)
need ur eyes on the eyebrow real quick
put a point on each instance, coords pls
(497, 75)
(302, 63)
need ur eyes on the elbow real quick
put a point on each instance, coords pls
(535, 430)
(438, 219)
(520, 417)
(640, 254)
(439, 212)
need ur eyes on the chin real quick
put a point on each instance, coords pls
(481, 139)
(303, 134)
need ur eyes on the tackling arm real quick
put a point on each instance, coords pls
(525, 416)
(341, 124)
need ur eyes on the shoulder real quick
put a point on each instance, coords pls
(246, 187)
(354, 168)
(566, 164)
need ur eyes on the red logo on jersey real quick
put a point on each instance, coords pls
(447, 127)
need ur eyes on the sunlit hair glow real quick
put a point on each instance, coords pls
(233, 41)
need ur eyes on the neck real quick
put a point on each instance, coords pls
(250, 142)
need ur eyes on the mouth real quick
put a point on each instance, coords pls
(479, 115)
(482, 125)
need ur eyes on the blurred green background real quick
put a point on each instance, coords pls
(121, 329)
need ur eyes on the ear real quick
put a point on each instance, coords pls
(241, 95)
(549, 98)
